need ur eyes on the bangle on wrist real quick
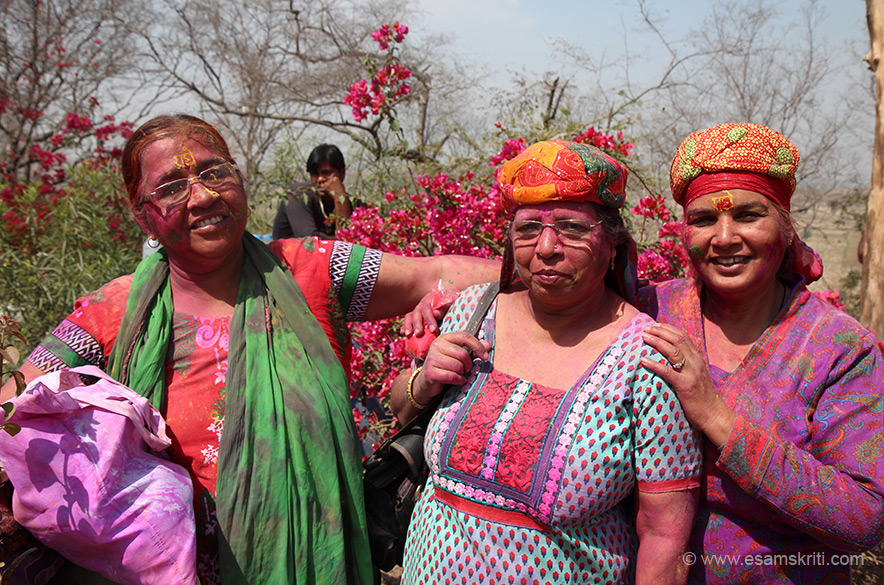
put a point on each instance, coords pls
(409, 390)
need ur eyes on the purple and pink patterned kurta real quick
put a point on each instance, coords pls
(530, 484)
(800, 476)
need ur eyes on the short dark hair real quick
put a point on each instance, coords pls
(325, 153)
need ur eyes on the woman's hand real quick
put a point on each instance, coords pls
(429, 312)
(689, 376)
(449, 361)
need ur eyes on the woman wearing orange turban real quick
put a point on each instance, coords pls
(557, 457)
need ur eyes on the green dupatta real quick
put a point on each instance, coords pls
(289, 489)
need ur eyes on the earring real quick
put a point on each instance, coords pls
(613, 258)
(152, 242)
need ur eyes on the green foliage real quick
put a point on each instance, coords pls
(850, 208)
(267, 188)
(9, 359)
(850, 292)
(64, 244)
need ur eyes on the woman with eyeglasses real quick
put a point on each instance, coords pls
(244, 349)
(557, 456)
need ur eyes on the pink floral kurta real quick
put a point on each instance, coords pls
(336, 279)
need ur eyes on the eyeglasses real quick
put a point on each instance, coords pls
(569, 231)
(177, 191)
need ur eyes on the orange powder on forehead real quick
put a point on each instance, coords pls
(185, 160)
(724, 202)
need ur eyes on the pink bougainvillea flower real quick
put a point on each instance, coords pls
(510, 149)
(833, 297)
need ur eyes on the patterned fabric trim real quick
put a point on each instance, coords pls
(508, 517)
(69, 345)
(354, 271)
(746, 455)
(45, 359)
(538, 501)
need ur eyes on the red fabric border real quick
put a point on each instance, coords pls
(508, 517)
(669, 485)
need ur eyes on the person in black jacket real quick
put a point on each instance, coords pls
(314, 208)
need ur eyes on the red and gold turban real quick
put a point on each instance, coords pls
(556, 170)
(742, 156)
(734, 156)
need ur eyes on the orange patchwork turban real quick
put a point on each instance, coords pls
(556, 170)
(734, 156)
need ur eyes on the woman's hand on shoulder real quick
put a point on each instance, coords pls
(688, 374)
(429, 312)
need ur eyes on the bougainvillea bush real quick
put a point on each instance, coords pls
(65, 226)
(442, 214)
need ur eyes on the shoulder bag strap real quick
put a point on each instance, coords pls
(472, 327)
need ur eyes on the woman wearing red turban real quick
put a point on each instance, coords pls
(786, 389)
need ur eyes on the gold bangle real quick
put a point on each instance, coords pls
(409, 390)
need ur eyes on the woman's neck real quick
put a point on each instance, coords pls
(597, 310)
(734, 323)
(210, 294)
(554, 348)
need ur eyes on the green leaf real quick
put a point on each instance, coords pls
(11, 428)
(8, 410)
(395, 126)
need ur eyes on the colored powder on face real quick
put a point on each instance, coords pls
(694, 251)
(185, 160)
(237, 214)
(724, 202)
(172, 237)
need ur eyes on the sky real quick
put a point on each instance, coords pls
(510, 37)
(510, 34)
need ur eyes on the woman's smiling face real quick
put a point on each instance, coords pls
(204, 230)
(735, 241)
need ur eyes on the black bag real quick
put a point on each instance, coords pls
(396, 472)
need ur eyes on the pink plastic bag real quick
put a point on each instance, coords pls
(87, 484)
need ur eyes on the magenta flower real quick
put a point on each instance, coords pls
(387, 34)
(833, 297)
(511, 149)
(653, 266)
(653, 208)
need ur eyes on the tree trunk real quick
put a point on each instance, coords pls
(872, 287)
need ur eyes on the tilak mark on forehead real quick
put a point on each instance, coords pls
(185, 160)
(724, 202)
